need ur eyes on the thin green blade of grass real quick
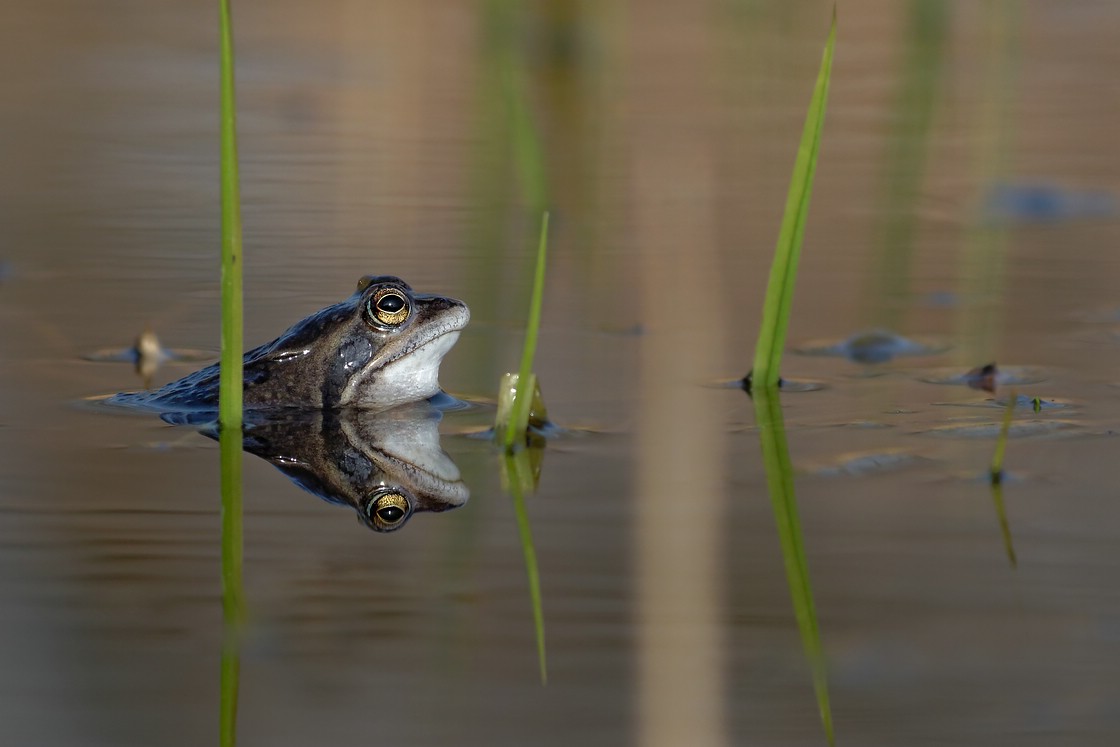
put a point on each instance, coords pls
(787, 254)
(233, 596)
(515, 427)
(779, 479)
(519, 480)
(229, 385)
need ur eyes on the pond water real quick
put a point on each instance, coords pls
(964, 198)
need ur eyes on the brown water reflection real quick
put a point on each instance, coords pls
(668, 134)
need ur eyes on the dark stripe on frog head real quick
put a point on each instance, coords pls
(351, 357)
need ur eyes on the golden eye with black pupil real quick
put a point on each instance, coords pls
(388, 511)
(388, 307)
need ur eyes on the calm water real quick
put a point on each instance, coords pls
(964, 196)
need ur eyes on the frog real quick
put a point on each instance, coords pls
(380, 348)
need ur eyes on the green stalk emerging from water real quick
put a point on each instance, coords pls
(783, 271)
(229, 407)
(765, 378)
(230, 394)
(514, 420)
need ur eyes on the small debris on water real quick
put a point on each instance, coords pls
(977, 378)
(147, 355)
(982, 377)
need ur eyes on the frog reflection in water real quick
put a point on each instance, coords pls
(386, 465)
(380, 348)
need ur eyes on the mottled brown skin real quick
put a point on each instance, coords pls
(340, 356)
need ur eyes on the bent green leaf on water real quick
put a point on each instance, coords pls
(787, 254)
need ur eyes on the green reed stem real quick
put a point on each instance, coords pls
(518, 423)
(229, 387)
(787, 254)
(779, 479)
(230, 393)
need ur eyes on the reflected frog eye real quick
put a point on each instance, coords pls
(387, 511)
(388, 308)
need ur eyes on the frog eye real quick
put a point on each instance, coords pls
(388, 307)
(387, 511)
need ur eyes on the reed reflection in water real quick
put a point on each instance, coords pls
(680, 481)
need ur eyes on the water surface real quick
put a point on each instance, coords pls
(373, 143)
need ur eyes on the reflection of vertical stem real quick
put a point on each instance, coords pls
(519, 480)
(908, 145)
(779, 478)
(986, 245)
(233, 609)
(528, 156)
(997, 475)
(679, 561)
(1004, 526)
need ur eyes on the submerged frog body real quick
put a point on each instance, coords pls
(380, 348)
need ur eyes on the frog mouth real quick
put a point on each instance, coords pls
(441, 335)
(409, 373)
(425, 354)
